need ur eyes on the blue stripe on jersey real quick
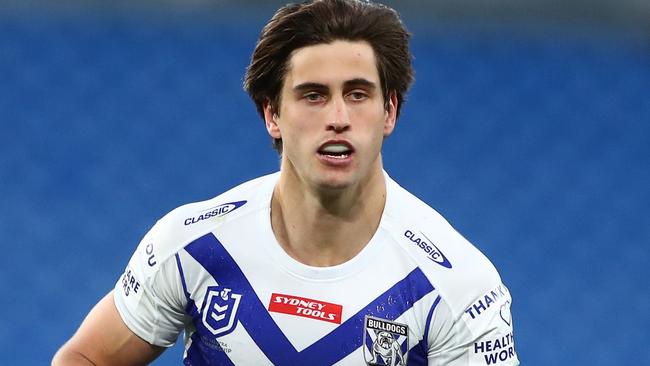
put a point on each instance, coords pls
(259, 324)
(209, 252)
(419, 353)
(390, 305)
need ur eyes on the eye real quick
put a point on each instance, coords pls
(357, 95)
(313, 97)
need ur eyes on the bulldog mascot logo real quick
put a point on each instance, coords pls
(386, 342)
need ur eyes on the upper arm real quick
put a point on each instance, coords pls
(104, 339)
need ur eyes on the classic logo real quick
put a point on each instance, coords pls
(215, 211)
(386, 343)
(428, 247)
(308, 308)
(219, 311)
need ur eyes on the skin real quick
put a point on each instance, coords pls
(104, 339)
(324, 210)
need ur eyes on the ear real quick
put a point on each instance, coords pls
(391, 115)
(271, 121)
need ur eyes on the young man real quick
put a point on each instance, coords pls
(328, 261)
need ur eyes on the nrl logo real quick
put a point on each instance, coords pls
(385, 342)
(219, 311)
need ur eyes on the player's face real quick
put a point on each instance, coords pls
(332, 118)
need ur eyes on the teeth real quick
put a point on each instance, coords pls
(335, 149)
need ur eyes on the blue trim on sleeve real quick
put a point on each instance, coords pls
(419, 353)
(180, 272)
(428, 322)
(189, 308)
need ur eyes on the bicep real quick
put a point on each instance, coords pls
(104, 339)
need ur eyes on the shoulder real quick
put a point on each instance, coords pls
(186, 223)
(456, 268)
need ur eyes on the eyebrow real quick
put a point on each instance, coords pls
(309, 86)
(356, 82)
(360, 82)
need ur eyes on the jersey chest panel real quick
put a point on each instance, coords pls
(247, 310)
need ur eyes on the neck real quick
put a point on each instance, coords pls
(325, 227)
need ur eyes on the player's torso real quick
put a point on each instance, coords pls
(216, 269)
(251, 304)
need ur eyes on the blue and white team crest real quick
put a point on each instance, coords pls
(219, 311)
(385, 342)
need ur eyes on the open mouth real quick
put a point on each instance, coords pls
(336, 150)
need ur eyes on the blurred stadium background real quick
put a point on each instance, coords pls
(528, 128)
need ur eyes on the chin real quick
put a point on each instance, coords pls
(333, 185)
(335, 182)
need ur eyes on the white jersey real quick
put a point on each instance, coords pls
(418, 293)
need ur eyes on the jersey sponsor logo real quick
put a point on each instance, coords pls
(151, 257)
(495, 351)
(130, 284)
(487, 300)
(215, 344)
(308, 308)
(427, 246)
(385, 342)
(219, 310)
(216, 211)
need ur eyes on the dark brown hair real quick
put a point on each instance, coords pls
(323, 21)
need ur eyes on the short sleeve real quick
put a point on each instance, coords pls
(481, 335)
(149, 295)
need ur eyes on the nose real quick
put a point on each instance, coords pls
(339, 119)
